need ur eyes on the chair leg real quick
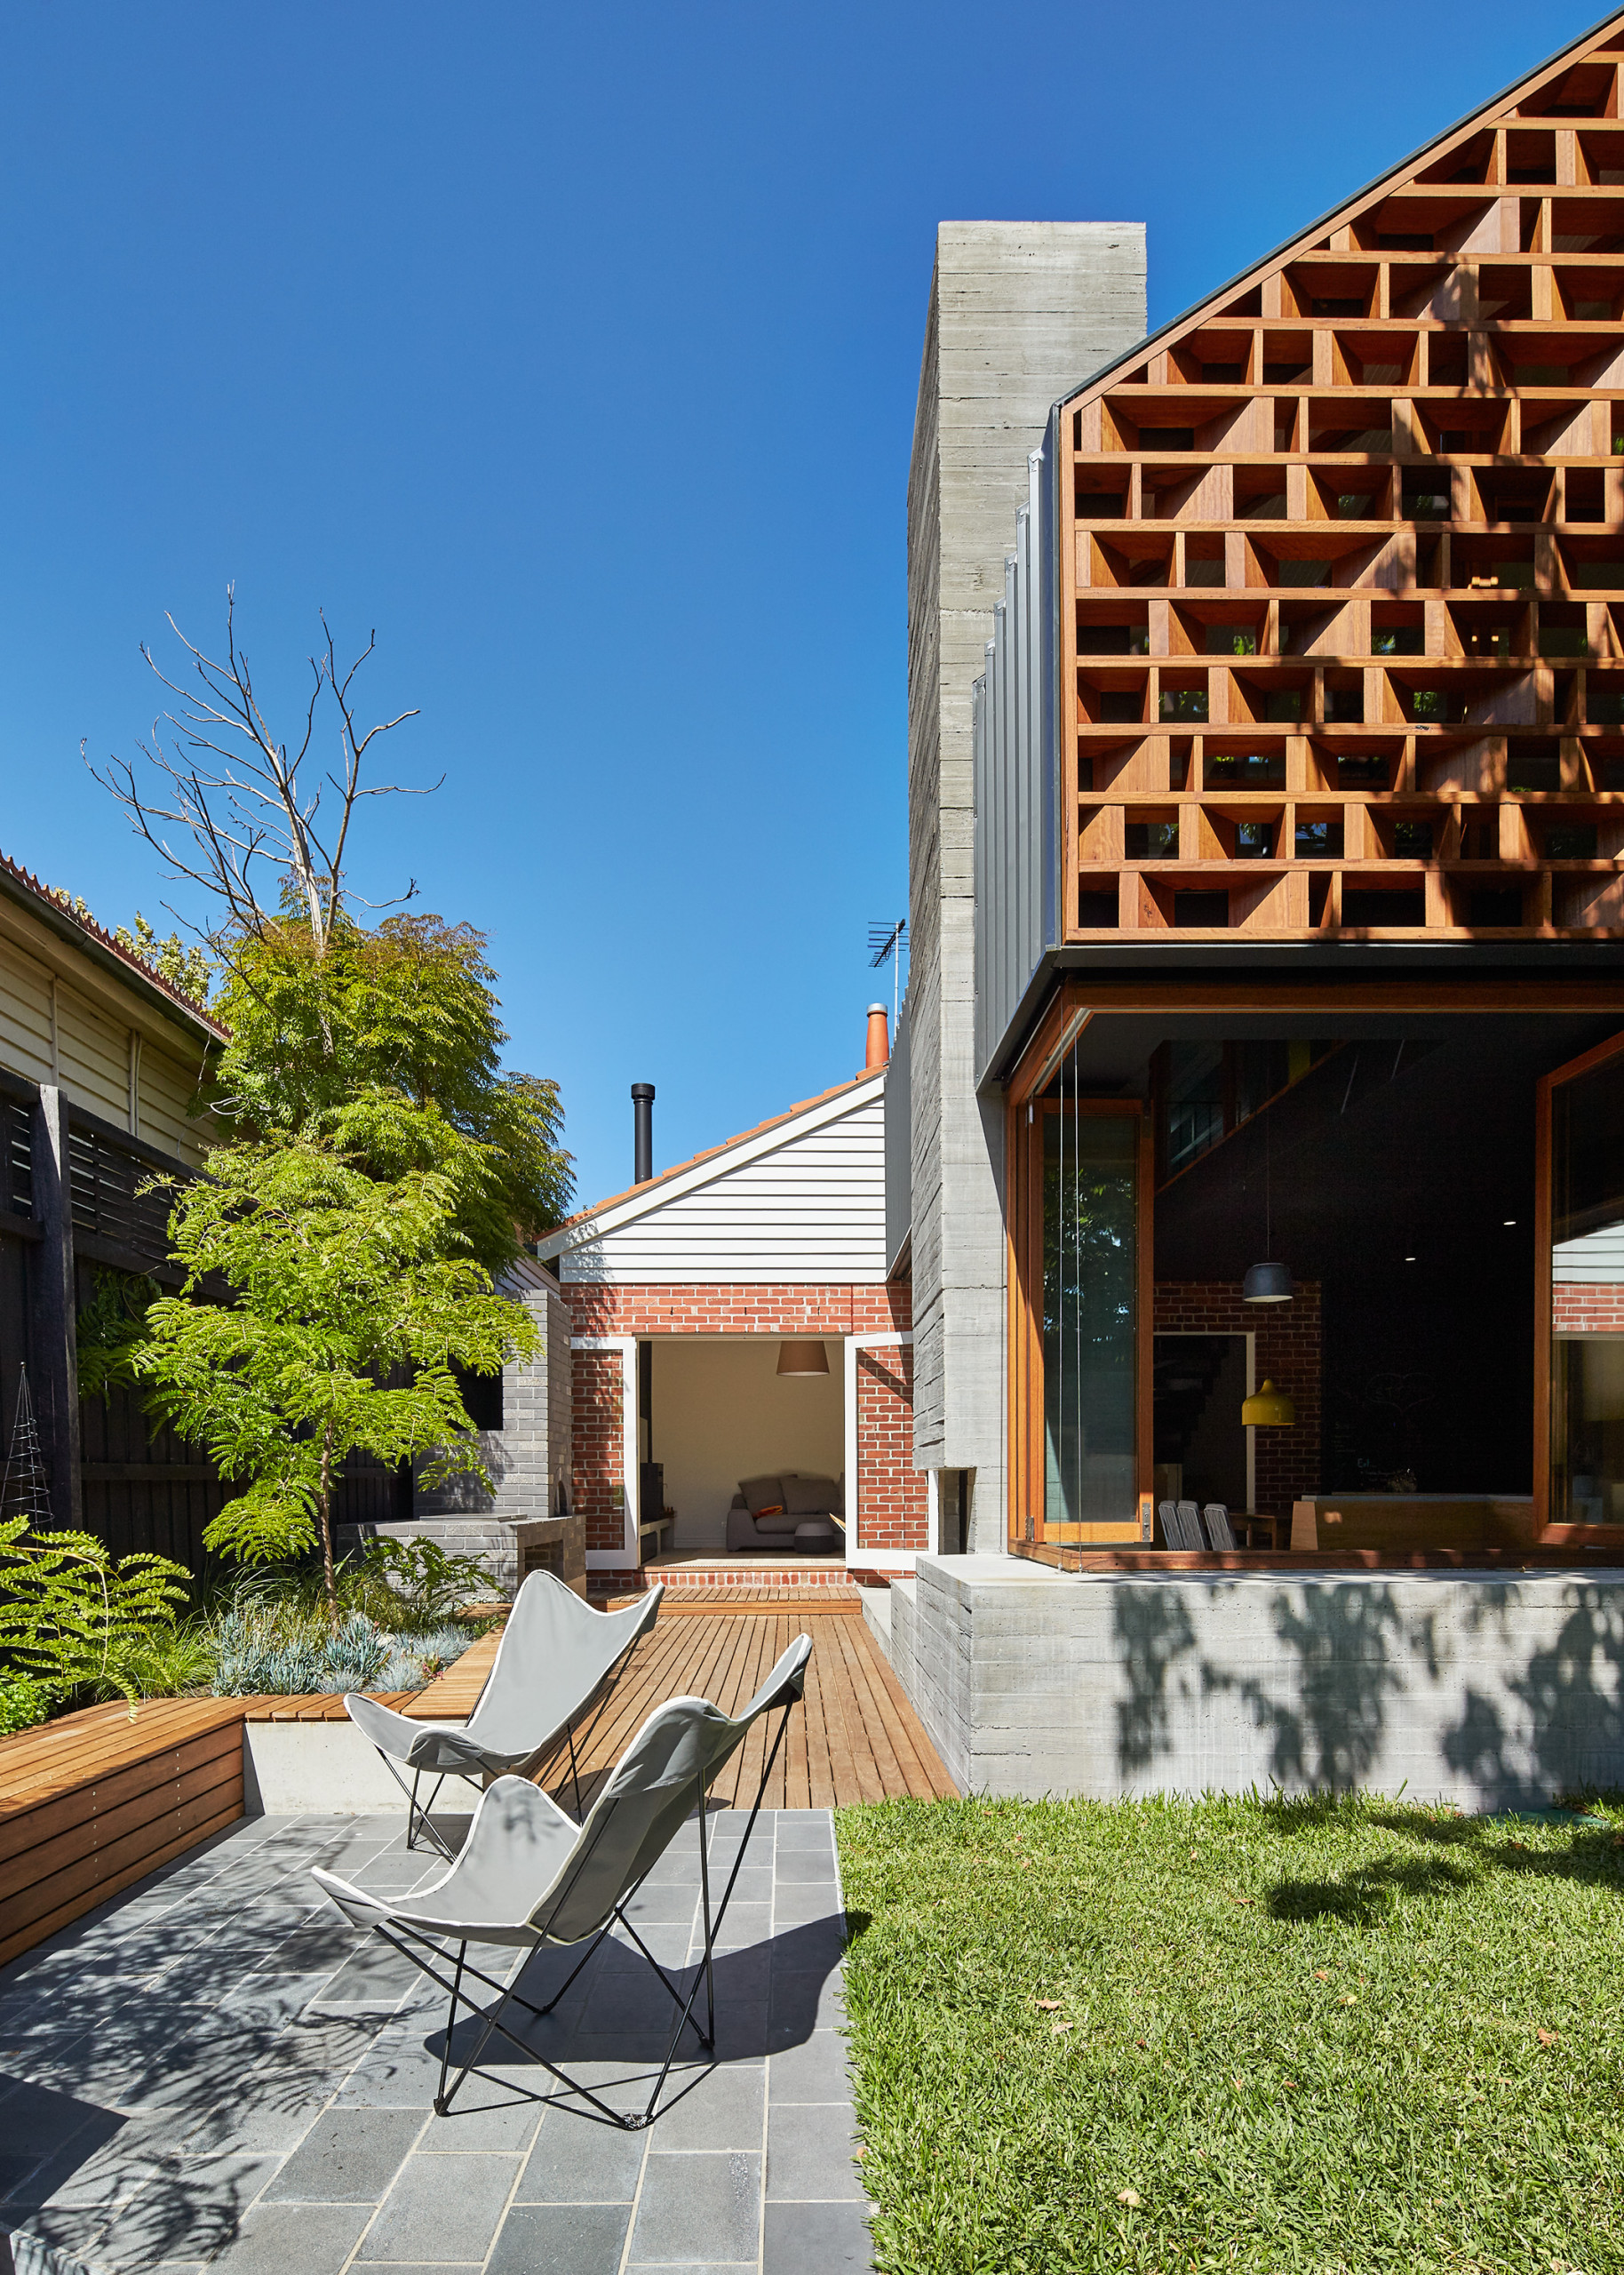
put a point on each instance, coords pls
(704, 1971)
(494, 2024)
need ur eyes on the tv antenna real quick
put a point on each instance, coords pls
(885, 943)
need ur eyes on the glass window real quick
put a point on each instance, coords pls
(1588, 1298)
(1090, 1264)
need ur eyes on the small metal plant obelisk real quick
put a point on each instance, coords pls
(25, 1490)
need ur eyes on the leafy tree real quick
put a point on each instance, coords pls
(386, 1044)
(189, 968)
(350, 1300)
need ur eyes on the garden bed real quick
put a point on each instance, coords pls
(1338, 2036)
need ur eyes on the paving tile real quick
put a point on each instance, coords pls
(815, 2239)
(664, 1904)
(803, 2002)
(721, 2108)
(805, 1829)
(293, 2239)
(442, 2207)
(796, 1904)
(809, 2152)
(560, 2239)
(376, 1972)
(270, 2110)
(742, 1924)
(696, 2207)
(804, 1867)
(813, 2070)
(349, 2156)
(190, 2204)
(578, 2160)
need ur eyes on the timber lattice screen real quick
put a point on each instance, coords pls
(1343, 579)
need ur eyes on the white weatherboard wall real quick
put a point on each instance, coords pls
(804, 1201)
(1483, 1688)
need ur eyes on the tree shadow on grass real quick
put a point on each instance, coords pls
(1368, 1895)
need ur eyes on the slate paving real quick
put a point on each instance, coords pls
(217, 2071)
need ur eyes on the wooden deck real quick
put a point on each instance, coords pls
(855, 1739)
(92, 1802)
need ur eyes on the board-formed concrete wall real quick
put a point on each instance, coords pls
(1019, 312)
(1485, 1689)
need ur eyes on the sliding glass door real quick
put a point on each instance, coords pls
(1080, 1217)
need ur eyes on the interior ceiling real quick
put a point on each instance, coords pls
(1113, 1054)
(1413, 1145)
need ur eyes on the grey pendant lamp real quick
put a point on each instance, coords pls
(1267, 1283)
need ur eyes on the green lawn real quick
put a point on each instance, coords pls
(1278, 2036)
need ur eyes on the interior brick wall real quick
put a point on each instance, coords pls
(1288, 1353)
(1580, 1308)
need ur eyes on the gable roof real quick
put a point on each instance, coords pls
(637, 1201)
(94, 940)
(1608, 34)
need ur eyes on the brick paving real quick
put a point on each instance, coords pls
(215, 2069)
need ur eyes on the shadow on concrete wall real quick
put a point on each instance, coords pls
(1154, 1634)
(1349, 1663)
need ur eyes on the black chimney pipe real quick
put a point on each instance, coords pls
(642, 1118)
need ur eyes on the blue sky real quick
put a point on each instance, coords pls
(576, 350)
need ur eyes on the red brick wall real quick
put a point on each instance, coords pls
(768, 1309)
(1288, 1355)
(885, 1398)
(893, 1510)
(1579, 1308)
(599, 1442)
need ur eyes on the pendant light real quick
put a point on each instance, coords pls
(804, 1358)
(1268, 1409)
(1267, 1283)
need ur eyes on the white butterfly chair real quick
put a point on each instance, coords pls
(528, 1875)
(555, 1653)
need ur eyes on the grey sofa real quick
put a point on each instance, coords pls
(788, 1513)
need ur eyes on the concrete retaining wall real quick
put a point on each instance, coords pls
(294, 1769)
(1483, 1688)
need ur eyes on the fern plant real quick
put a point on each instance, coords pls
(73, 1619)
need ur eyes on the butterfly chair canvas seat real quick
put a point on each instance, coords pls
(527, 1875)
(554, 1654)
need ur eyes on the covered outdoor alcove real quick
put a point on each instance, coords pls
(719, 1412)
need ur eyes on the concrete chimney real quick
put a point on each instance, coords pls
(878, 1039)
(642, 1131)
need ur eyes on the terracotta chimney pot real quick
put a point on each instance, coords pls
(878, 1039)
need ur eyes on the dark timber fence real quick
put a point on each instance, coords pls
(71, 1209)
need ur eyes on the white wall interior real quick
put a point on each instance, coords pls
(721, 1411)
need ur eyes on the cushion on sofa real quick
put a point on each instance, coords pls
(762, 1492)
(810, 1496)
(782, 1520)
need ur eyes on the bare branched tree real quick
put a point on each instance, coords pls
(220, 779)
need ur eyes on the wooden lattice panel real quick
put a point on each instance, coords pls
(1343, 602)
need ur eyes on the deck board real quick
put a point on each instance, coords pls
(855, 1738)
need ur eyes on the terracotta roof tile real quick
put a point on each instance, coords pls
(104, 939)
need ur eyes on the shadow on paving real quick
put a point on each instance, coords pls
(140, 2121)
(613, 2029)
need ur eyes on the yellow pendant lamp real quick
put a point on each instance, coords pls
(803, 1357)
(1268, 1409)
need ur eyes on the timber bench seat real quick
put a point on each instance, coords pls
(95, 1801)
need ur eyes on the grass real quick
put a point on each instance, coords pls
(1336, 2036)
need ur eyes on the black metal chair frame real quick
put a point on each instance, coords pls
(508, 1995)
